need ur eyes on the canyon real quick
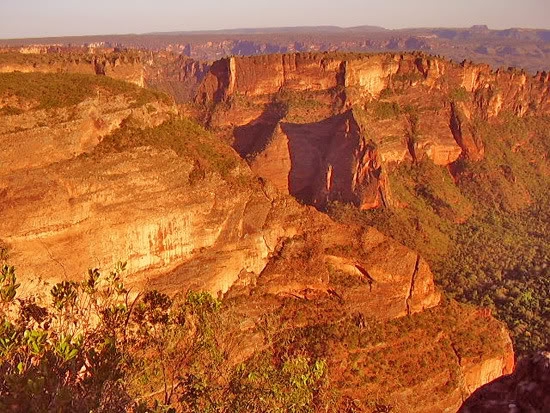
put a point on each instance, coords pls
(375, 112)
(517, 47)
(236, 209)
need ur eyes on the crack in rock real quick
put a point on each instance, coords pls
(411, 288)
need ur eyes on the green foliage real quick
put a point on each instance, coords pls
(501, 261)
(58, 357)
(92, 348)
(495, 255)
(407, 78)
(183, 136)
(432, 206)
(56, 90)
(295, 385)
(459, 94)
(385, 110)
(386, 93)
(301, 107)
(8, 284)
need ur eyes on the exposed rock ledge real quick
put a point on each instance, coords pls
(527, 390)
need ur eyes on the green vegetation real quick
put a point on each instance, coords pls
(183, 136)
(302, 107)
(93, 346)
(56, 90)
(459, 94)
(485, 236)
(502, 261)
(371, 359)
(385, 110)
(432, 204)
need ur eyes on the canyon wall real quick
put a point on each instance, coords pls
(524, 390)
(40, 137)
(494, 91)
(129, 67)
(76, 197)
(176, 75)
(327, 127)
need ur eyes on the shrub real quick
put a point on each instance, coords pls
(459, 94)
(386, 110)
(94, 347)
(56, 90)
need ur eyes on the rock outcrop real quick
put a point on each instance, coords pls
(500, 48)
(37, 138)
(185, 211)
(370, 112)
(526, 390)
(369, 75)
(128, 66)
(115, 206)
(320, 162)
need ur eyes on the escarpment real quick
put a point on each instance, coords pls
(177, 75)
(184, 211)
(524, 390)
(329, 127)
(35, 133)
(126, 66)
(368, 75)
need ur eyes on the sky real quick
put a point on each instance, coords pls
(40, 18)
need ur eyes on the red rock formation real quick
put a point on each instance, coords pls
(426, 110)
(370, 74)
(233, 236)
(526, 390)
(36, 138)
(122, 66)
(321, 162)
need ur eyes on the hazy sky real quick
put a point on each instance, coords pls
(29, 18)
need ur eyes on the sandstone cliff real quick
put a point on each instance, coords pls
(526, 390)
(36, 138)
(328, 127)
(127, 66)
(185, 212)
(520, 47)
(177, 75)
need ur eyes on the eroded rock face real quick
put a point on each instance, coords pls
(369, 75)
(135, 206)
(243, 239)
(321, 162)
(138, 206)
(526, 390)
(37, 138)
(128, 67)
(371, 113)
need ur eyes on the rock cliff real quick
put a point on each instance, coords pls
(328, 127)
(185, 211)
(174, 74)
(526, 390)
(127, 66)
(37, 138)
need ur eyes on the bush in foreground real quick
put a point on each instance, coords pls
(95, 347)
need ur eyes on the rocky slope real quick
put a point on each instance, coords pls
(127, 66)
(327, 127)
(175, 74)
(185, 212)
(526, 390)
(33, 135)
